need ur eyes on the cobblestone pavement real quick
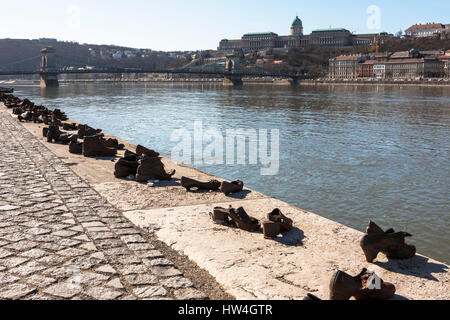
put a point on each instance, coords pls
(59, 239)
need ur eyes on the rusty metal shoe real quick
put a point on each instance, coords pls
(66, 138)
(76, 147)
(53, 133)
(86, 131)
(277, 216)
(152, 169)
(220, 215)
(365, 286)
(143, 151)
(243, 220)
(113, 143)
(231, 187)
(189, 183)
(128, 153)
(391, 243)
(271, 229)
(93, 147)
(126, 166)
(70, 126)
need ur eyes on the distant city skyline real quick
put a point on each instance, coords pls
(200, 24)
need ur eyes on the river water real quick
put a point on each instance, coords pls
(348, 153)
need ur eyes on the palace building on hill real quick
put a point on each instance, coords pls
(336, 37)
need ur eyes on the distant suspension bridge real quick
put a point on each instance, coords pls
(229, 67)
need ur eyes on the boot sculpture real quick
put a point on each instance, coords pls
(189, 183)
(53, 133)
(231, 187)
(126, 166)
(271, 229)
(76, 147)
(94, 147)
(278, 217)
(243, 220)
(152, 169)
(143, 151)
(220, 215)
(113, 143)
(365, 286)
(277, 223)
(85, 131)
(66, 138)
(70, 126)
(391, 243)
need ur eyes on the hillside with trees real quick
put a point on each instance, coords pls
(80, 55)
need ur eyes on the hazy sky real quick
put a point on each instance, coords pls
(200, 24)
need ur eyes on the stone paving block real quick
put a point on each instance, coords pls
(72, 252)
(132, 239)
(165, 271)
(64, 233)
(52, 260)
(15, 291)
(12, 262)
(189, 294)
(157, 262)
(5, 253)
(40, 280)
(106, 269)
(34, 253)
(133, 269)
(115, 283)
(93, 278)
(141, 279)
(141, 246)
(101, 293)
(6, 278)
(150, 292)
(177, 283)
(27, 269)
(150, 254)
(22, 245)
(65, 290)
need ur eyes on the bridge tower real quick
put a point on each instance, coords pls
(233, 70)
(49, 73)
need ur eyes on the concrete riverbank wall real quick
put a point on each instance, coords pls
(245, 264)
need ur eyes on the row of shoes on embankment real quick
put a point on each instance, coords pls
(367, 285)
(225, 187)
(364, 286)
(145, 165)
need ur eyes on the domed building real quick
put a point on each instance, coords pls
(332, 37)
(297, 27)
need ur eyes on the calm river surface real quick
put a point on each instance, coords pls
(347, 153)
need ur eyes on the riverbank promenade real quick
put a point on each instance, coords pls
(59, 239)
(70, 230)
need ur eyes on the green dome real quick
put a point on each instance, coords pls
(297, 22)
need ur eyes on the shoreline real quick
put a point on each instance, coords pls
(244, 264)
(219, 81)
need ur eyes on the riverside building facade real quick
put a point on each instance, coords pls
(399, 65)
(426, 30)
